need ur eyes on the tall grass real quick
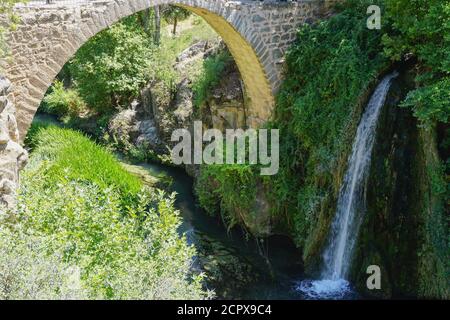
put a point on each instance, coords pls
(86, 228)
(73, 156)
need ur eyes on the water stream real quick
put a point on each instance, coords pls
(337, 256)
(211, 239)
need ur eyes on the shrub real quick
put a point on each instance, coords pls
(212, 69)
(420, 28)
(228, 188)
(28, 270)
(109, 70)
(431, 103)
(63, 102)
(86, 228)
(136, 255)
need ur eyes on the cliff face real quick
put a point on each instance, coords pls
(225, 106)
(150, 121)
(402, 230)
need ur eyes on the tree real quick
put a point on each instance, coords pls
(421, 28)
(173, 14)
(110, 69)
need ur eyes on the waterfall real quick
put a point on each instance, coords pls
(351, 203)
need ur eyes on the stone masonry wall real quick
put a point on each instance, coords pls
(12, 156)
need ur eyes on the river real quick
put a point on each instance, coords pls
(273, 265)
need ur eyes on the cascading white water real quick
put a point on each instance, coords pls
(351, 204)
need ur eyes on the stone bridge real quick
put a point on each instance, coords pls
(49, 33)
(256, 33)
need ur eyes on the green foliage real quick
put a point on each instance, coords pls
(63, 102)
(74, 238)
(118, 257)
(421, 28)
(173, 14)
(7, 5)
(210, 77)
(72, 156)
(431, 103)
(329, 70)
(232, 188)
(29, 271)
(110, 69)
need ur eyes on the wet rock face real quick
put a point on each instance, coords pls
(387, 234)
(12, 156)
(392, 233)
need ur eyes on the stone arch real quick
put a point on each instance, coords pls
(49, 35)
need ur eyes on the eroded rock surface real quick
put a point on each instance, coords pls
(12, 156)
(150, 121)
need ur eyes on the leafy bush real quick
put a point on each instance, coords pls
(431, 104)
(72, 237)
(212, 69)
(118, 256)
(110, 69)
(63, 102)
(228, 188)
(29, 271)
(420, 28)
